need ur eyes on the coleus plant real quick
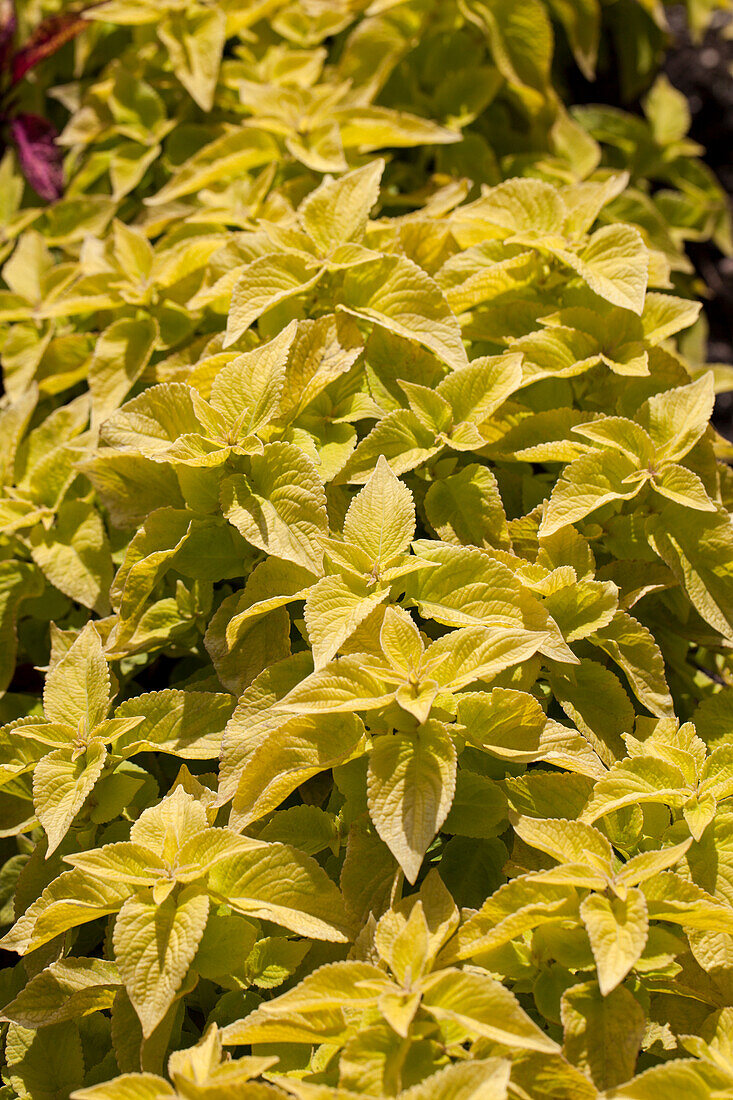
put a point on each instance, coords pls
(366, 569)
(32, 135)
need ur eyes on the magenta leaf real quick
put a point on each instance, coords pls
(48, 37)
(41, 159)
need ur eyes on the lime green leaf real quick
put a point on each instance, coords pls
(680, 1077)
(617, 929)
(671, 898)
(411, 784)
(234, 153)
(47, 1064)
(477, 653)
(195, 43)
(65, 990)
(70, 900)
(602, 1033)
(277, 883)
(699, 551)
(61, 785)
(338, 210)
(615, 265)
(346, 684)
(592, 696)
(334, 609)
(314, 1007)
(77, 691)
(381, 518)
(247, 391)
(154, 946)
(131, 487)
(130, 1086)
(676, 418)
(280, 507)
(121, 354)
(188, 724)
(75, 555)
(466, 509)
(521, 40)
(266, 282)
(641, 779)
(512, 910)
(632, 646)
(506, 723)
(480, 1006)
(401, 438)
(567, 842)
(148, 424)
(121, 862)
(395, 293)
(586, 484)
(18, 581)
(293, 753)
(684, 487)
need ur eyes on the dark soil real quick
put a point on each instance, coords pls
(704, 72)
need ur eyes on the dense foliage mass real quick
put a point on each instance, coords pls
(361, 511)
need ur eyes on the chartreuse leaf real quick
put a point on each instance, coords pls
(71, 899)
(515, 908)
(252, 884)
(266, 282)
(587, 484)
(130, 1086)
(381, 518)
(195, 43)
(48, 1062)
(154, 946)
(77, 697)
(411, 783)
(503, 722)
(338, 210)
(60, 788)
(19, 581)
(478, 1005)
(396, 294)
(77, 691)
(188, 724)
(334, 609)
(75, 555)
(120, 356)
(617, 929)
(280, 506)
(487, 1078)
(698, 551)
(614, 264)
(65, 990)
(676, 418)
(294, 752)
(378, 527)
(191, 1070)
(602, 1032)
(466, 509)
(246, 392)
(681, 1076)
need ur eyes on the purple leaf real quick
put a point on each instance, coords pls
(41, 159)
(48, 37)
(8, 24)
